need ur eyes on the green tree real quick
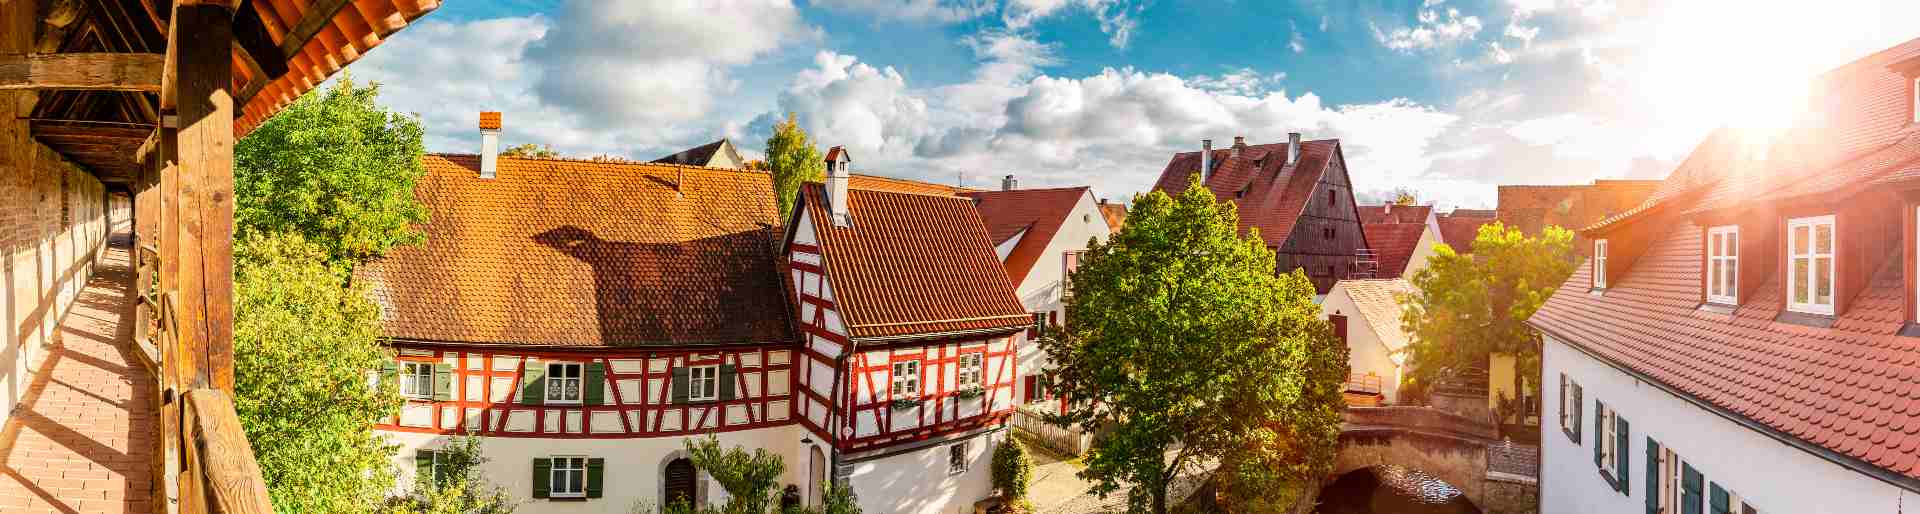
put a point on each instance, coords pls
(1405, 196)
(1465, 308)
(531, 150)
(335, 167)
(304, 344)
(1188, 349)
(793, 160)
(457, 486)
(749, 478)
(1012, 470)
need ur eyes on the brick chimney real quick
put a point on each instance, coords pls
(1293, 148)
(1206, 159)
(489, 143)
(837, 176)
(1239, 143)
(1009, 183)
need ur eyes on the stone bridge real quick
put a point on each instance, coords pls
(1497, 476)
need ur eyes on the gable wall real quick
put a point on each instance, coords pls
(1325, 260)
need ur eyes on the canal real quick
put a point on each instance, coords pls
(1392, 490)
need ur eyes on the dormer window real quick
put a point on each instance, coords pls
(1916, 100)
(1600, 264)
(1810, 265)
(1723, 265)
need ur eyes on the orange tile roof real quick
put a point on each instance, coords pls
(490, 120)
(1038, 212)
(1393, 245)
(563, 252)
(353, 31)
(1115, 213)
(913, 264)
(901, 185)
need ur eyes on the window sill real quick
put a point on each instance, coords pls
(1597, 291)
(1910, 329)
(1611, 482)
(568, 499)
(1717, 308)
(1571, 435)
(1805, 319)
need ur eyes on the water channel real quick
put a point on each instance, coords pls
(1392, 490)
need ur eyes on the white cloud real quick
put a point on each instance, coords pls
(1498, 54)
(1297, 42)
(944, 11)
(1244, 82)
(1432, 31)
(1115, 19)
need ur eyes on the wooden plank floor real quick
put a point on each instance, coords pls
(81, 439)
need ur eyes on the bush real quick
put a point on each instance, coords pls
(458, 487)
(1012, 470)
(749, 478)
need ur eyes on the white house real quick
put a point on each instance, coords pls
(1401, 237)
(1744, 341)
(1367, 313)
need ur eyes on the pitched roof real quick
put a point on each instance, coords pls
(913, 264)
(1472, 213)
(1379, 305)
(1531, 208)
(1389, 213)
(1459, 231)
(578, 253)
(901, 185)
(1394, 244)
(1271, 194)
(1038, 212)
(1115, 213)
(697, 156)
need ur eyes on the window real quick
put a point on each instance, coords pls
(1610, 447)
(906, 379)
(1723, 264)
(1916, 99)
(969, 370)
(1069, 263)
(1605, 438)
(416, 380)
(1039, 329)
(1666, 487)
(1810, 265)
(429, 465)
(569, 477)
(1600, 264)
(563, 383)
(1570, 408)
(703, 383)
(957, 458)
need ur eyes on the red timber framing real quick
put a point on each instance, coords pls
(855, 396)
(488, 383)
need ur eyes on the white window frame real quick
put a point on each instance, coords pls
(1669, 493)
(703, 383)
(1599, 264)
(1727, 239)
(574, 468)
(957, 458)
(969, 368)
(556, 392)
(906, 379)
(422, 383)
(1608, 440)
(1916, 100)
(1812, 225)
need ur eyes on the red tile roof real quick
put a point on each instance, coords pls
(1459, 231)
(1270, 194)
(1394, 214)
(579, 253)
(1393, 245)
(1038, 212)
(901, 185)
(913, 264)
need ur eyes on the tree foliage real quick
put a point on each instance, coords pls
(530, 150)
(1188, 348)
(458, 486)
(1012, 471)
(750, 479)
(335, 167)
(1405, 196)
(1465, 308)
(304, 343)
(793, 160)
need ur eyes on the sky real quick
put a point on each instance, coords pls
(1448, 98)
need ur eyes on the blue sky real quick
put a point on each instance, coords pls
(1450, 98)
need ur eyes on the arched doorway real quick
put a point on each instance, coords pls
(1391, 489)
(817, 473)
(680, 478)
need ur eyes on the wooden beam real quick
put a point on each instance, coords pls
(202, 46)
(257, 45)
(218, 448)
(319, 14)
(96, 71)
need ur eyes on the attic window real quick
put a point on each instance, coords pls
(1600, 264)
(1810, 243)
(1723, 264)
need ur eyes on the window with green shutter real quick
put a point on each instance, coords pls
(442, 381)
(679, 391)
(594, 392)
(729, 378)
(1653, 490)
(426, 467)
(1622, 477)
(542, 477)
(1717, 499)
(533, 382)
(596, 476)
(1690, 486)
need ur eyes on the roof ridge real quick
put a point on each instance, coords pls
(609, 163)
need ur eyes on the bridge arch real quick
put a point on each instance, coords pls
(1447, 446)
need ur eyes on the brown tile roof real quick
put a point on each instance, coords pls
(913, 264)
(1115, 213)
(346, 36)
(1472, 213)
(696, 156)
(577, 253)
(1394, 213)
(1275, 193)
(1393, 245)
(1380, 306)
(1038, 212)
(1459, 232)
(901, 185)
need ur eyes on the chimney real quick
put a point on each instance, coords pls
(837, 175)
(1293, 148)
(489, 143)
(1206, 159)
(1239, 143)
(1009, 183)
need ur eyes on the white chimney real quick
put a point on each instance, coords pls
(1009, 183)
(1293, 147)
(837, 176)
(1206, 159)
(489, 143)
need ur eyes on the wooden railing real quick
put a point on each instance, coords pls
(202, 462)
(1368, 383)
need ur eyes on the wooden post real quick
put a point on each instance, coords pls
(201, 46)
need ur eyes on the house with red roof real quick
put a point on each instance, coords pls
(1401, 237)
(911, 335)
(1459, 227)
(1744, 339)
(1296, 194)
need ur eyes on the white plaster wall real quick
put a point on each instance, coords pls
(1772, 476)
(1365, 352)
(1421, 251)
(1040, 292)
(917, 482)
(633, 465)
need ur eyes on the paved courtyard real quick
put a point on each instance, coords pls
(1056, 489)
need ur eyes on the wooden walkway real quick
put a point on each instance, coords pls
(81, 440)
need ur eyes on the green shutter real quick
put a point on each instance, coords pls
(1718, 500)
(595, 384)
(596, 469)
(442, 381)
(680, 385)
(423, 469)
(1653, 477)
(533, 382)
(1690, 489)
(1599, 430)
(389, 370)
(1621, 456)
(1579, 408)
(542, 477)
(727, 380)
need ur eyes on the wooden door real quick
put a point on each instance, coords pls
(817, 473)
(680, 477)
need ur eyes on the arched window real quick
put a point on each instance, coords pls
(680, 480)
